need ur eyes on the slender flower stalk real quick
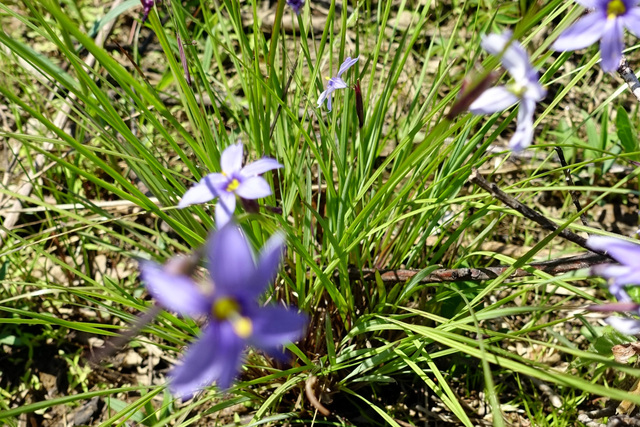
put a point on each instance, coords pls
(359, 104)
(234, 179)
(606, 23)
(525, 88)
(183, 59)
(235, 319)
(335, 83)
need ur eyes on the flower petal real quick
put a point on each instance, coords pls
(625, 325)
(274, 326)
(632, 21)
(260, 166)
(207, 189)
(231, 159)
(216, 356)
(628, 4)
(495, 43)
(231, 262)
(329, 102)
(253, 188)
(619, 292)
(348, 63)
(323, 96)
(590, 4)
(524, 129)
(493, 100)
(535, 91)
(619, 276)
(175, 292)
(622, 251)
(296, 5)
(584, 32)
(225, 208)
(611, 45)
(514, 57)
(230, 357)
(268, 264)
(338, 83)
(611, 271)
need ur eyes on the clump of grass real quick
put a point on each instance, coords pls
(355, 198)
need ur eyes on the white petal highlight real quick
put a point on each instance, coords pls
(225, 208)
(524, 129)
(204, 191)
(514, 57)
(493, 100)
(625, 325)
(231, 159)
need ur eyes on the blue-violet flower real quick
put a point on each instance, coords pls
(296, 5)
(626, 253)
(147, 5)
(245, 182)
(336, 83)
(606, 23)
(525, 88)
(235, 319)
(619, 276)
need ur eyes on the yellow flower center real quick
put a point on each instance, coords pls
(615, 8)
(243, 327)
(229, 309)
(233, 185)
(225, 308)
(517, 89)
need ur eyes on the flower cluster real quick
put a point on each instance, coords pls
(606, 23)
(229, 298)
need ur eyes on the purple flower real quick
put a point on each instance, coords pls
(336, 82)
(234, 180)
(147, 5)
(626, 325)
(606, 23)
(235, 319)
(626, 253)
(525, 88)
(296, 5)
(619, 276)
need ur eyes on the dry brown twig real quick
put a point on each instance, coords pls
(554, 267)
(310, 391)
(527, 212)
